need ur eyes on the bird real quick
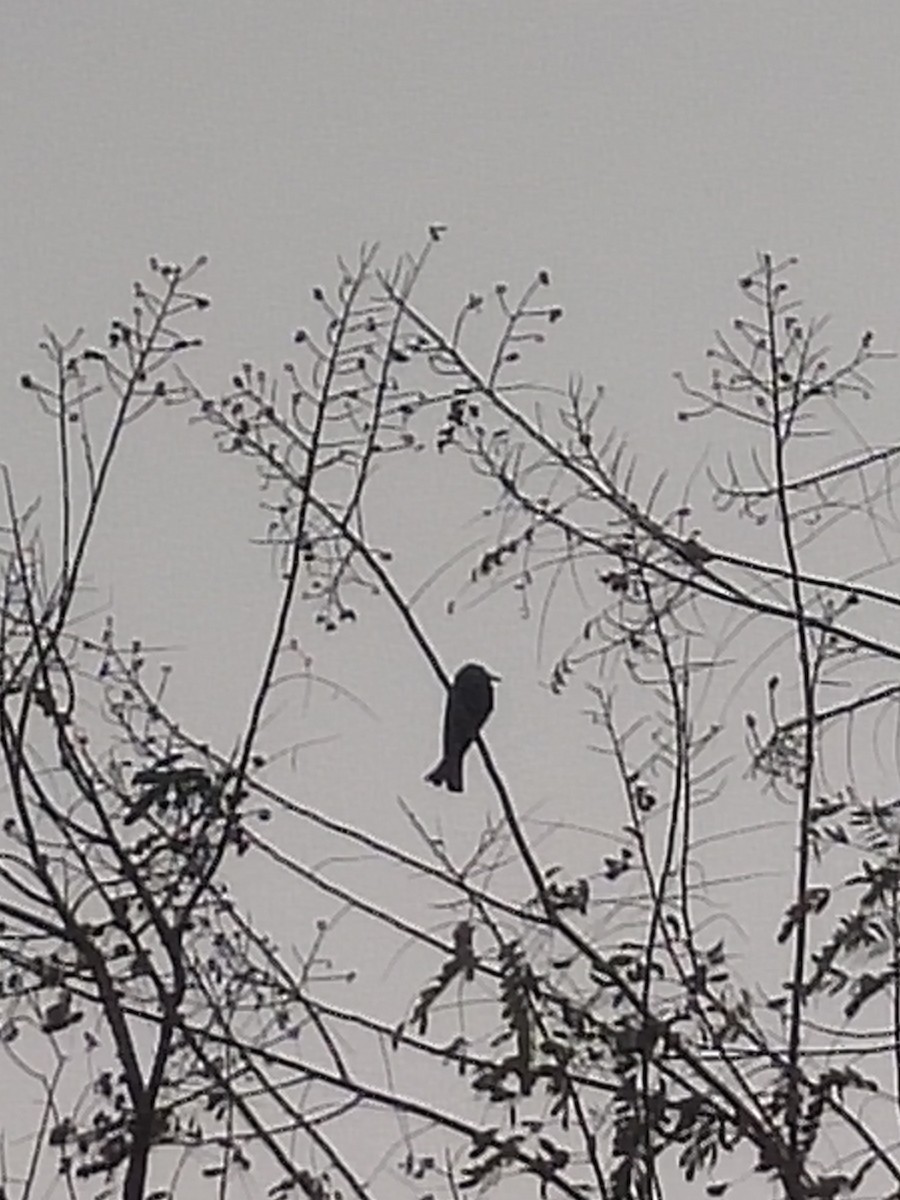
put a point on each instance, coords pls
(470, 702)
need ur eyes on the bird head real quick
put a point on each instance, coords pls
(474, 668)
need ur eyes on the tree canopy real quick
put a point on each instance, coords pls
(675, 1014)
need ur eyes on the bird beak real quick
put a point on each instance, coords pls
(494, 678)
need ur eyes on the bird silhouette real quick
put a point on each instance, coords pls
(470, 702)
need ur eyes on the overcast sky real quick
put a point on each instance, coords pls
(640, 152)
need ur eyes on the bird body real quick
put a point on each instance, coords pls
(470, 702)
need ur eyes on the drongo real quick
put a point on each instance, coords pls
(469, 704)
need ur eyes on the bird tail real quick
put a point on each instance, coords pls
(449, 771)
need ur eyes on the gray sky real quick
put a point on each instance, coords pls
(641, 152)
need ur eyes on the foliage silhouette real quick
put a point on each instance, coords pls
(605, 1037)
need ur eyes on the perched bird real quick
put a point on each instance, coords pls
(469, 704)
